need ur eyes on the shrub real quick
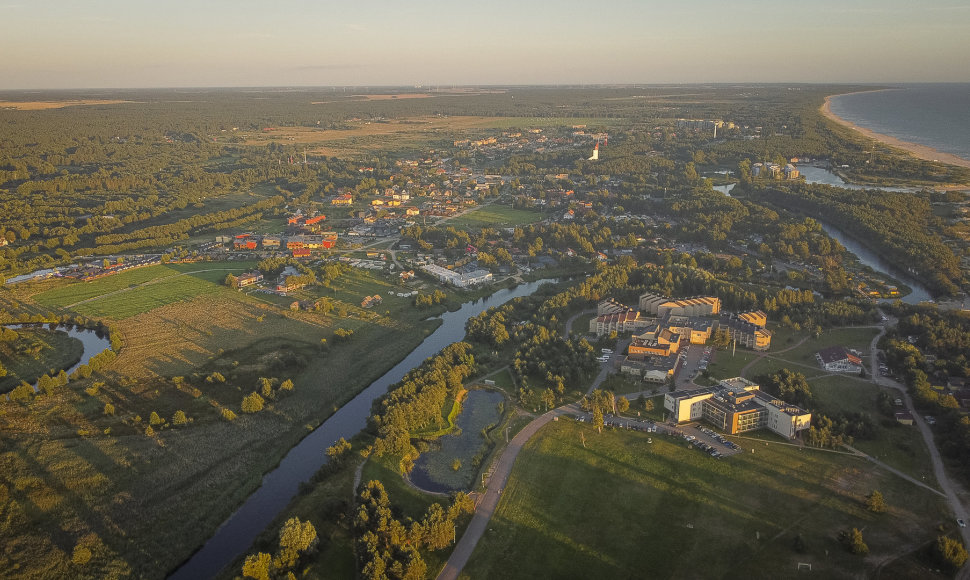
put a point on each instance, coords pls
(179, 418)
(228, 415)
(253, 403)
(81, 555)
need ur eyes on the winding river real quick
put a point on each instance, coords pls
(815, 174)
(281, 485)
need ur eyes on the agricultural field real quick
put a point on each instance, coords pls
(72, 466)
(496, 216)
(624, 507)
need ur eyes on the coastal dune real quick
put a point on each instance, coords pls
(920, 151)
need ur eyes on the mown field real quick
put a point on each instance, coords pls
(493, 216)
(622, 507)
(141, 290)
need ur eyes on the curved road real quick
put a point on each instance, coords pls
(951, 489)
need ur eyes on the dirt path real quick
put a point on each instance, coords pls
(951, 489)
(747, 367)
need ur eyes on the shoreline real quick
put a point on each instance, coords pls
(920, 151)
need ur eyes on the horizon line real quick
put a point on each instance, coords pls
(451, 87)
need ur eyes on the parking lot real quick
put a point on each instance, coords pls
(697, 436)
(694, 359)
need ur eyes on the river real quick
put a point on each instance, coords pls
(920, 293)
(815, 174)
(281, 485)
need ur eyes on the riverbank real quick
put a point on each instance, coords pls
(919, 151)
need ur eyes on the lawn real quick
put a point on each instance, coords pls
(494, 215)
(897, 445)
(623, 507)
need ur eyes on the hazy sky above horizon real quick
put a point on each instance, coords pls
(136, 43)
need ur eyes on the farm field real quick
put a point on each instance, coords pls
(623, 507)
(89, 469)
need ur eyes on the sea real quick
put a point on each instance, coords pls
(933, 115)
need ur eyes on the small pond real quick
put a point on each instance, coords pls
(435, 469)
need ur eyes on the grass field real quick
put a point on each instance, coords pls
(496, 216)
(142, 289)
(36, 352)
(621, 507)
(75, 475)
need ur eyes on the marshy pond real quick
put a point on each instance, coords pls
(435, 470)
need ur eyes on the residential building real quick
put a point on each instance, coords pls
(745, 333)
(661, 306)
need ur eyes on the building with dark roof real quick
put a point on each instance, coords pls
(838, 359)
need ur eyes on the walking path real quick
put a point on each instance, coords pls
(572, 319)
(496, 484)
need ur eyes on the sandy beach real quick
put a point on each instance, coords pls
(920, 151)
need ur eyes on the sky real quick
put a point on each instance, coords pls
(48, 44)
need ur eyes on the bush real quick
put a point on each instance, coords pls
(875, 502)
(81, 555)
(179, 418)
(950, 552)
(253, 403)
(228, 415)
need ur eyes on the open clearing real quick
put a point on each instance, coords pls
(496, 216)
(46, 105)
(373, 135)
(622, 507)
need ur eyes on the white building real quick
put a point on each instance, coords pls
(446, 276)
(735, 406)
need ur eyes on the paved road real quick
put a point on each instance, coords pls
(496, 484)
(572, 319)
